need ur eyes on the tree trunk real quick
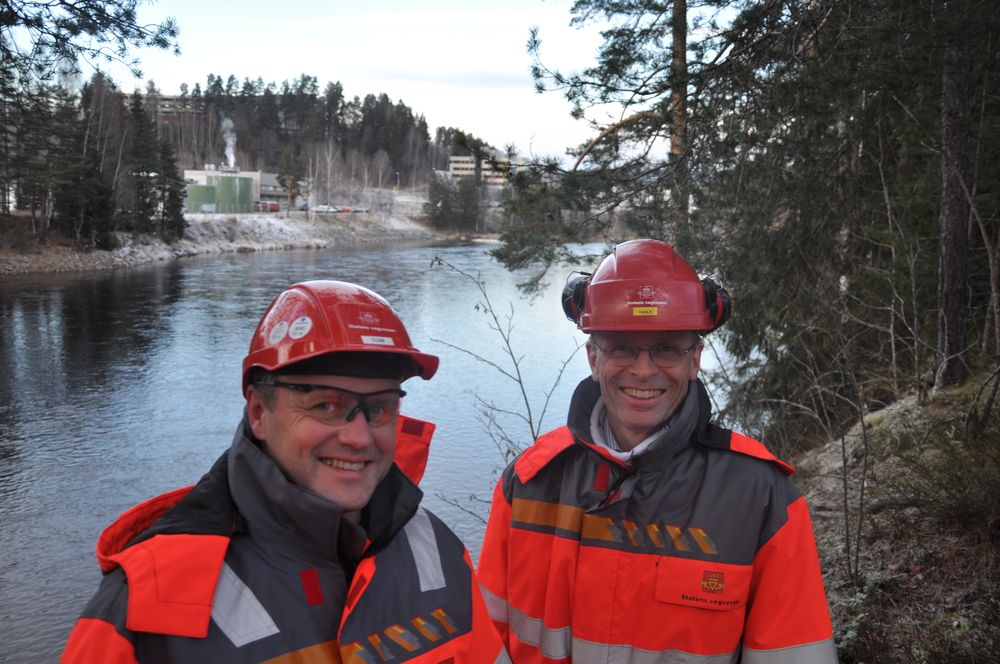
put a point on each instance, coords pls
(953, 287)
(680, 191)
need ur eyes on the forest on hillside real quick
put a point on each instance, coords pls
(89, 159)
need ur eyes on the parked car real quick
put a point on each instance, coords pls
(304, 207)
(324, 208)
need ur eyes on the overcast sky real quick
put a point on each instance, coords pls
(460, 64)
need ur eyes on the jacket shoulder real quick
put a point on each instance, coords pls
(131, 523)
(171, 576)
(734, 441)
(413, 440)
(547, 447)
(171, 581)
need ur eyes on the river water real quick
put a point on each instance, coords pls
(115, 387)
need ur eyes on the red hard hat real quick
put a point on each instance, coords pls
(315, 318)
(644, 285)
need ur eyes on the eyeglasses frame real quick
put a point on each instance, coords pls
(362, 397)
(684, 352)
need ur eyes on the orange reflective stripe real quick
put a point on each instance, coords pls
(94, 641)
(550, 515)
(704, 541)
(598, 528)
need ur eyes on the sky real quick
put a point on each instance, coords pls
(460, 64)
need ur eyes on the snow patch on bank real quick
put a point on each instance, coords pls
(228, 233)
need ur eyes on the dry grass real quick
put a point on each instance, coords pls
(922, 585)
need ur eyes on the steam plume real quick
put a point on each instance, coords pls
(230, 136)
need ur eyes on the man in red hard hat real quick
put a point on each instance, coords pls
(306, 541)
(640, 531)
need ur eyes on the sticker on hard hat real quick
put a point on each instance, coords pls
(645, 311)
(300, 327)
(377, 341)
(278, 333)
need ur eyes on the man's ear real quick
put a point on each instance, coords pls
(592, 359)
(255, 412)
(696, 359)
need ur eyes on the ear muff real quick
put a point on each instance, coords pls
(717, 301)
(574, 295)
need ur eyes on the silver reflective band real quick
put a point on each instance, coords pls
(585, 652)
(820, 652)
(559, 643)
(423, 543)
(502, 657)
(552, 643)
(238, 612)
(496, 606)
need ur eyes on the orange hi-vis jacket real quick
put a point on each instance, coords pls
(247, 567)
(698, 551)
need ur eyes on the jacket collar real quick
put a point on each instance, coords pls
(588, 392)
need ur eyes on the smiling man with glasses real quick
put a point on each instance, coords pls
(306, 541)
(641, 531)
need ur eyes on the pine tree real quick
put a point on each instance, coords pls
(171, 194)
(143, 165)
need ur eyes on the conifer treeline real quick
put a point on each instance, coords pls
(87, 164)
(366, 141)
(99, 161)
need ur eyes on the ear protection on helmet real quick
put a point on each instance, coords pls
(574, 295)
(717, 301)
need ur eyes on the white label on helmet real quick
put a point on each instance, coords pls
(300, 327)
(377, 341)
(278, 333)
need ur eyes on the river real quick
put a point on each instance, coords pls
(117, 386)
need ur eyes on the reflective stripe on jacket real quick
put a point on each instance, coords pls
(701, 553)
(189, 576)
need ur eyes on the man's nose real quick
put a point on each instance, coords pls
(356, 432)
(643, 365)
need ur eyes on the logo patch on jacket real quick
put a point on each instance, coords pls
(713, 582)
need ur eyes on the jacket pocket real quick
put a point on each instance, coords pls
(702, 584)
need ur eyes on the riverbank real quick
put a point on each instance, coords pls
(213, 234)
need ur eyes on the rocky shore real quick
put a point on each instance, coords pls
(220, 233)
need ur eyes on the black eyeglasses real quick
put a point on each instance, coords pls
(665, 356)
(336, 406)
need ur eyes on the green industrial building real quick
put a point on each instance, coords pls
(222, 193)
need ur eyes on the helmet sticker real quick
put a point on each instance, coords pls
(369, 318)
(645, 311)
(278, 333)
(300, 327)
(645, 296)
(377, 341)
